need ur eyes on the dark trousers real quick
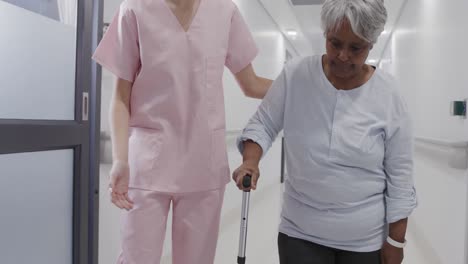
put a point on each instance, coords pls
(298, 251)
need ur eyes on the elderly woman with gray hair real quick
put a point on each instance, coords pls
(348, 146)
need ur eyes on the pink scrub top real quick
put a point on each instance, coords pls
(177, 117)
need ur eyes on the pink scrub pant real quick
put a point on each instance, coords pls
(195, 227)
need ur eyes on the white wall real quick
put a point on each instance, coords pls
(427, 54)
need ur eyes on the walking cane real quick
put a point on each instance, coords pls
(246, 182)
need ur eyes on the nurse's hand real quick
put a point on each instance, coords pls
(118, 187)
(247, 168)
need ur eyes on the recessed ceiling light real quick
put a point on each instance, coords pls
(306, 2)
(291, 32)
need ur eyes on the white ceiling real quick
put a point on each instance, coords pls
(306, 20)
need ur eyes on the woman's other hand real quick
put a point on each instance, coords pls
(118, 187)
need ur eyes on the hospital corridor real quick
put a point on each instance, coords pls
(124, 122)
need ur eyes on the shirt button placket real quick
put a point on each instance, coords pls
(334, 131)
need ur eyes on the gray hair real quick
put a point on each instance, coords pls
(366, 17)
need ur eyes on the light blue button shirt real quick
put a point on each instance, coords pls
(348, 155)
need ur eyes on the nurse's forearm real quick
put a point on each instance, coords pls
(262, 87)
(252, 152)
(251, 84)
(119, 118)
(257, 87)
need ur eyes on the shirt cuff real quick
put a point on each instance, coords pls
(401, 207)
(255, 137)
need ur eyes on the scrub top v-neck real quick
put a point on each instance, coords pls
(177, 116)
(178, 21)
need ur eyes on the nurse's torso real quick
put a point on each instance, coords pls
(177, 139)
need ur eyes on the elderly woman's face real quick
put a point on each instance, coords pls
(346, 52)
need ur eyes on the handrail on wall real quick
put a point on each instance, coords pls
(444, 143)
(458, 158)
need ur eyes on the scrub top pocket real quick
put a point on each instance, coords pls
(144, 149)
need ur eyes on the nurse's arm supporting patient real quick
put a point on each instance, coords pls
(251, 84)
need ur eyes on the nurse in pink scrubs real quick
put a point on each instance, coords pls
(168, 120)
